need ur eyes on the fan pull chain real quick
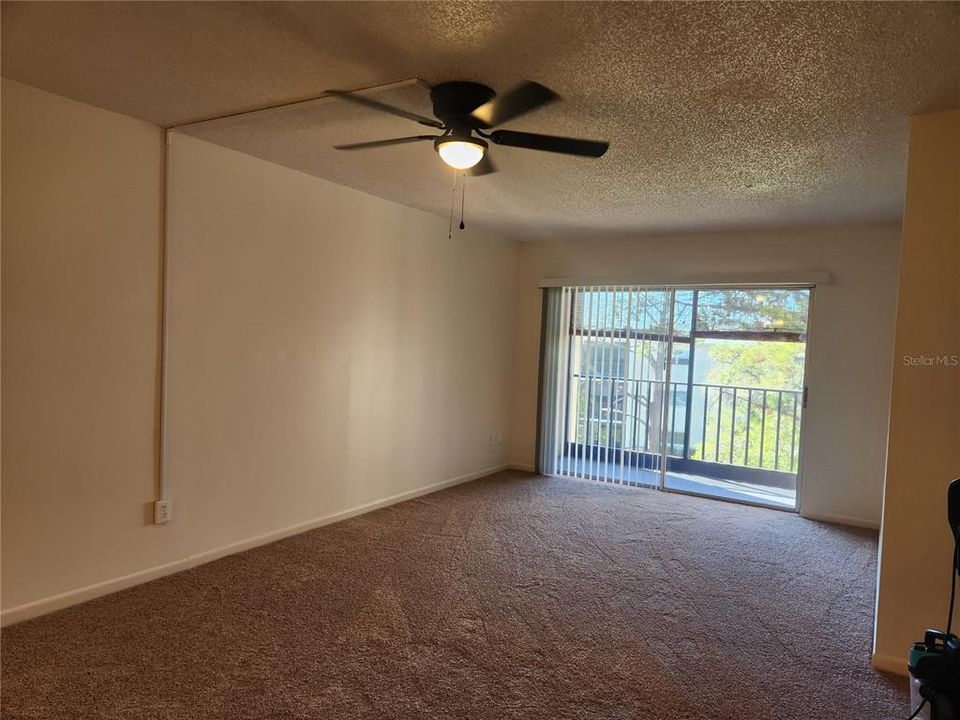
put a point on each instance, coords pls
(463, 192)
(453, 198)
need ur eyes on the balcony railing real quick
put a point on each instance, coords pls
(737, 426)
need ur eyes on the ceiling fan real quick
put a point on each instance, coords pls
(464, 111)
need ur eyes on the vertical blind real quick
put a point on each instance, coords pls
(605, 374)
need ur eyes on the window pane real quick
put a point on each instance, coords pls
(683, 313)
(755, 310)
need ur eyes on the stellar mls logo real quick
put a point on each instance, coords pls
(931, 360)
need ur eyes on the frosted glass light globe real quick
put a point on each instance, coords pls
(460, 154)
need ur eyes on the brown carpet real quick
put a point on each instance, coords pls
(509, 597)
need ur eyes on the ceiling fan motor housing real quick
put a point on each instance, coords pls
(453, 103)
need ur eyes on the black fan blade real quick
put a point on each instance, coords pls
(484, 167)
(383, 107)
(550, 143)
(522, 99)
(384, 143)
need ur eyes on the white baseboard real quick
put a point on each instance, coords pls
(841, 520)
(522, 466)
(890, 663)
(74, 597)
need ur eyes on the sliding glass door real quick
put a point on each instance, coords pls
(696, 390)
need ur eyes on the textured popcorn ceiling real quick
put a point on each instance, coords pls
(718, 114)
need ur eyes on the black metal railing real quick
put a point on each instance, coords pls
(750, 427)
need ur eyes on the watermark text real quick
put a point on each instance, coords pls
(931, 360)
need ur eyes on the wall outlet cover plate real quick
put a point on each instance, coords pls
(162, 510)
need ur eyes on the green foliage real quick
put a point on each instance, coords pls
(762, 364)
(750, 432)
(753, 364)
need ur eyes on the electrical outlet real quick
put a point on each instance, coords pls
(499, 438)
(162, 511)
(490, 438)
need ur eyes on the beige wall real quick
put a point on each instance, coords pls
(327, 350)
(924, 453)
(851, 338)
(80, 219)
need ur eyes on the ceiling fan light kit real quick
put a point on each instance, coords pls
(460, 151)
